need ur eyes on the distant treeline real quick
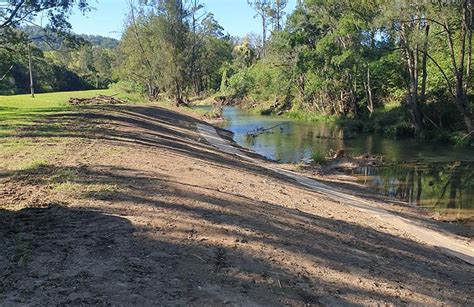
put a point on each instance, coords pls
(47, 41)
(59, 63)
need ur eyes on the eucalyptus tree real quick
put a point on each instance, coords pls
(454, 21)
(262, 9)
(277, 13)
(173, 47)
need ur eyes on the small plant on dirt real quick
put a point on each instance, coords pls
(22, 250)
(318, 157)
(220, 259)
(64, 175)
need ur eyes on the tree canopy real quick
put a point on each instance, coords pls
(396, 67)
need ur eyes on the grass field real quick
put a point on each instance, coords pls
(23, 119)
(21, 110)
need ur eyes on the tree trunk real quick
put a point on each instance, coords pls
(30, 68)
(264, 32)
(412, 67)
(458, 67)
(423, 66)
(368, 88)
(469, 48)
(278, 15)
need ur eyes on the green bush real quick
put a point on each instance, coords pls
(239, 85)
(462, 140)
(318, 157)
(129, 87)
(395, 122)
(303, 115)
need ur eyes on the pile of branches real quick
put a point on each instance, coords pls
(224, 101)
(101, 99)
(262, 130)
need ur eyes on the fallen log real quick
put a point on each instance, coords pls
(262, 130)
(181, 102)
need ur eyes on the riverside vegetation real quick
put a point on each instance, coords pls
(134, 204)
(400, 68)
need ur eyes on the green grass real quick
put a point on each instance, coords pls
(47, 100)
(20, 111)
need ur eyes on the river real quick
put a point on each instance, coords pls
(433, 175)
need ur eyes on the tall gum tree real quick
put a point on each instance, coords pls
(455, 20)
(262, 8)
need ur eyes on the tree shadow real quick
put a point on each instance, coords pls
(148, 127)
(62, 256)
(271, 254)
(420, 216)
(159, 128)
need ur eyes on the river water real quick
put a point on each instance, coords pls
(436, 176)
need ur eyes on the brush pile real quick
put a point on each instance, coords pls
(101, 99)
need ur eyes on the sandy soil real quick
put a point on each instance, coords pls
(130, 206)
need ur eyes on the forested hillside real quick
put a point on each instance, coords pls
(60, 61)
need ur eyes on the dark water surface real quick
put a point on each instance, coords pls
(437, 176)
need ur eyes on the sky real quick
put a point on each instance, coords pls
(108, 17)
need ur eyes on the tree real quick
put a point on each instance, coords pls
(407, 19)
(172, 49)
(456, 22)
(262, 8)
(176, 39)
(17, 12)
(137, 50)
(196, 42)
(277, 13)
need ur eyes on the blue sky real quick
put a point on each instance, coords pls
(108, 17)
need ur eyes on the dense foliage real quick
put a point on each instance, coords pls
(68, 67)
(398, 67)
(65, 65)
(173, 49)
(401, 68)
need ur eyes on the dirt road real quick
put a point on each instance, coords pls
(130, 205)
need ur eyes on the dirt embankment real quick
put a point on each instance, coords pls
(128, 205)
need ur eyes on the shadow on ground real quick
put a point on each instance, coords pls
(81, 256)
(197, 245)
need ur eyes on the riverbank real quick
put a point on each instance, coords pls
(421, 174)
(130, 205)
(392, 121)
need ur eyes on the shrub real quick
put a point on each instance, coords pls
(129, 87)
(319, 157)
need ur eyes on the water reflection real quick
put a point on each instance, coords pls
(424, 175)
(444, 187)
(297, 141)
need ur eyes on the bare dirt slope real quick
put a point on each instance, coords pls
(128, 205)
